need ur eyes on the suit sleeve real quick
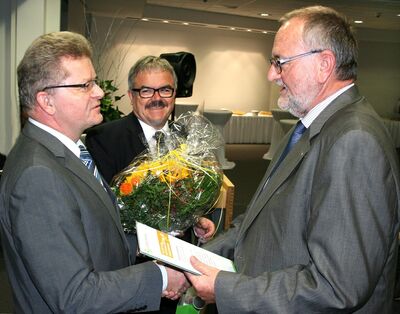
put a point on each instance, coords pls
(224, 244)
(49, 232)
(350, 234)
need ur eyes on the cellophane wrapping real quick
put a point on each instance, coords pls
(169, 187)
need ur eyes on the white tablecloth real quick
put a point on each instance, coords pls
(248, 130)
(259, 130)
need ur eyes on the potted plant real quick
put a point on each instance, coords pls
(108, 108)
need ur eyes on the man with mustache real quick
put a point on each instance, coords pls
(151, 88)
(320, 234)
(152, 84)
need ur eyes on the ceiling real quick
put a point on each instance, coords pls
(377, 15)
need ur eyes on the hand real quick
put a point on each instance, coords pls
(177, 284)
(204, 229)
(204, 284)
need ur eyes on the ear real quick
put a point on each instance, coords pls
(327, 63)
(45, 102)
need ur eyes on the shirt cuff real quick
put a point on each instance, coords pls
(164, 276)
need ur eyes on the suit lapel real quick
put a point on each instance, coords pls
(136, 136)
(74, 164)
(294, 157)
(282, 173)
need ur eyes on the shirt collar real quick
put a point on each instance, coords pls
(70, 144)
(315, 112)
(149, 131)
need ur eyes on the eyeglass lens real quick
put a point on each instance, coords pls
(147, 92)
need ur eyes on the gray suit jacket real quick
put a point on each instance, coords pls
(322, 236)
(64, 246)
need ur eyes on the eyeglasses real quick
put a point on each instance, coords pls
(148, 92)
(278, 62)
(86, 87)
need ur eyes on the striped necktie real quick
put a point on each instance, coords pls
(89, 162)
(161, 147)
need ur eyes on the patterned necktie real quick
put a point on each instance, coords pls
(89, 162)
(159, 137)
(294, 138)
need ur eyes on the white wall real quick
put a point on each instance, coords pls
(21, 22)
(232, 66)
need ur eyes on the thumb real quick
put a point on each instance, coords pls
(201, 267)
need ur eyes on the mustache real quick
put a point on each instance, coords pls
(280, 83)
(156, 104)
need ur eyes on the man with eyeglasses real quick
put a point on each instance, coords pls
(64, 246)
(152, 84)
(151, 88)
(320, 235)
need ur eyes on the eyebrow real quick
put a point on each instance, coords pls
(143, 86)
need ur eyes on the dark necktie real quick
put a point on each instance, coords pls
(294, 138)
(159, 137)
(89, 162)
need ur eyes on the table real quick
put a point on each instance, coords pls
(219, 118)
(248, 130)
(277, 131)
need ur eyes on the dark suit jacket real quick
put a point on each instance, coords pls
(322, 236)
(2, 160)
(115, 144)
(64, 246)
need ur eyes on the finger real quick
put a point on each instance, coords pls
(170, 294)
(198, 265)
(208, 234)
(198, 231)
(191, 277)
(166, 294)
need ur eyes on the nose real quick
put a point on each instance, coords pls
(273, 73)
(97, 91)
(156, 95)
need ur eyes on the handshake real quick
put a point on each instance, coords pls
(177, 281)
(177, 284)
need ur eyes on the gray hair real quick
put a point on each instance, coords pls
(325, 28)
(41, 64)
(150, 63)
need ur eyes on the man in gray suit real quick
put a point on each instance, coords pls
(64, 246)
(320, 233)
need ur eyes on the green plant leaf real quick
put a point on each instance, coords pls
(108, 108)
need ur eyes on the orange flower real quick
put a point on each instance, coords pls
(126, 188)
(135, 181)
